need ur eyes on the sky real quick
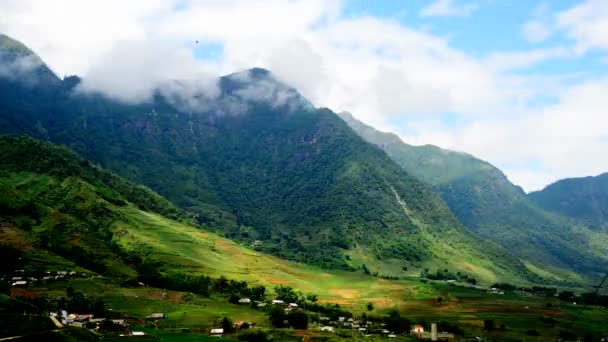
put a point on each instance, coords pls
(521, 84)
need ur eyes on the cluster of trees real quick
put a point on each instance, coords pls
(445, 274)
(539, 290)
(202, 285)
(72, 302)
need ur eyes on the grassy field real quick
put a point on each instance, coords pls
(513, 314)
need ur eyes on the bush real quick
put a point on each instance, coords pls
(532, 332)
(254, 336)
(298, 320)
(227, 325)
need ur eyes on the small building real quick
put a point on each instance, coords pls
(341, 319)
(417, 329)
(217, 331)
(324, 318)
(327, 329)
(138, 333)
(277, 302)
(392, 336)
(16, 278)
(157, 315)
(19, 283)
(261, 305)
(244, 301)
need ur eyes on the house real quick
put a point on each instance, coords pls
(341, 319)
(157, 315)
(327, 329)
(81, 317)
(19, 283)
(392, 336)
(217, 331)
(16, 278)
(244, 301)
(138, 333)
(417, 329)
(261, 305)
(324, 318)
(116, 321)
(277, 302)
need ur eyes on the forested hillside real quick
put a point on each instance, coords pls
(259, 164)
(582, 199)
(486, 202)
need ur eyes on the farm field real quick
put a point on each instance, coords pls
(513, 314)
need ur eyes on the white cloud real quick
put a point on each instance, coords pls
(535, 31)
(587, 24)
(522, 59)
(379, 69)
(447, 8)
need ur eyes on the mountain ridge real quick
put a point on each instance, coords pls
(259, 163)
(486, 202)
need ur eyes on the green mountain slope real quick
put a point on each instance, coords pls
(484, 200)
(583, 199)
(262, 166)
(60, 210)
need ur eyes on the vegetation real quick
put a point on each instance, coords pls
(486, 202)
(251, 176)
(582, 199)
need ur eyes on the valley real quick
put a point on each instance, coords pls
(261, 215)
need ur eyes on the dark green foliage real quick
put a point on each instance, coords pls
(286, 293)
(298, 320)
(108, 326)
(254, 335)
(395, 323)
(370, 306)
(583, 199)
(294, 177)
(226, 324)
(453, 328)
(489, 325)
(277, 317)
(485, 201)
(532, 332)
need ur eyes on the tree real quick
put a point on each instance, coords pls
(254, 336)
(257, 292)
(298, 320)
(370, 306)
(227, 325)
(286, 293)
(365, 269)
(439, 300)
(394, 322)
(277, 317)
(234, 299)
(488, 325)
(109, 326)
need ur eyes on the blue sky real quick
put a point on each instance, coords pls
(520, 84)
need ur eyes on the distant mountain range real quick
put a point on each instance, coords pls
(485, 201)
(261, 165)
(582, 199)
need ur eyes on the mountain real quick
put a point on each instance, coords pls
(60, 211)
(487, 203)
(583, 199)
(260, 165)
